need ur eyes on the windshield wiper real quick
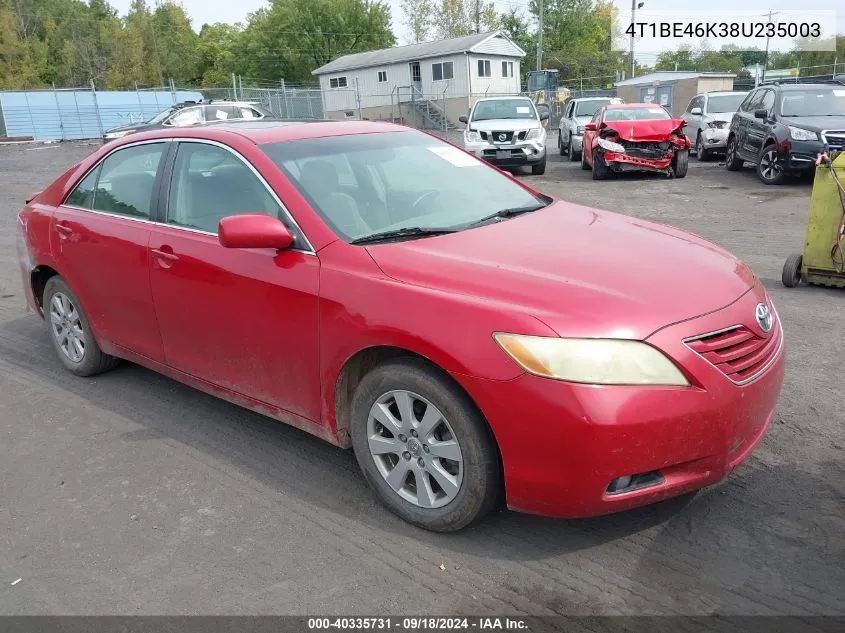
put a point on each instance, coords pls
(395, 234)
(508, 213)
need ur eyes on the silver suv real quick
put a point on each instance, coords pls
(508, 132)
(577, 113)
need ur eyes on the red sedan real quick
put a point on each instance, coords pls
(635, 137)
(470, 338)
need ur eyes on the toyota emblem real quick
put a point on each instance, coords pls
(503, 137)
(763, 316)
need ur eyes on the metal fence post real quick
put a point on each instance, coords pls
(59, 112)
(78, 115)
(358, 100)
(97, 107)
(29, 111)
(172, 90)
(234, 88)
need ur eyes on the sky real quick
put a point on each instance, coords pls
(203, 11)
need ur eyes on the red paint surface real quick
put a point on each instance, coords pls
(272, 330)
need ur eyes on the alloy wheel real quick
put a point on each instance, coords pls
(415, 449)
(66, 326)
(770, 165)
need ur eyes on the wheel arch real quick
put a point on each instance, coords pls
(38, 278)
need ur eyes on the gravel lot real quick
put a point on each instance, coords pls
(131, 494)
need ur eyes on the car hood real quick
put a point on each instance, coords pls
(491, 125)
(815, 123)
(582, 271)
(720, 116)
(648, 130)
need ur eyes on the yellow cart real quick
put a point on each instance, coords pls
(823, 260)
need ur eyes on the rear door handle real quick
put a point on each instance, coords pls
(165, 257)
(63, 230)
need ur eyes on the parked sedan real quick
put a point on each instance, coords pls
(635, 137)
(470, 338)
(708, 118)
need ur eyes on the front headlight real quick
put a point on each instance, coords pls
(534, 132)
(580, 129)
(717, 125)
(119, 134)
(472, 136)
(592, 361)
(610, 146)
(800, 134)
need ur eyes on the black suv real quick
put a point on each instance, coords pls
(782, 128)
(193, 113)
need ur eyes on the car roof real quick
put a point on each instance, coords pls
(271, 131)
(511, 98)
(801, 86)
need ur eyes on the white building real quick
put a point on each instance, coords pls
(421, 81)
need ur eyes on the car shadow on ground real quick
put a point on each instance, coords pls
(319, 474)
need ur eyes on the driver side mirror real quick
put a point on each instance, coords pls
(761, 114)
(254, 230)
(463, 119)
(590, 126)
(695, 110)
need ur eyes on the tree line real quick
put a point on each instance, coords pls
(66, 43)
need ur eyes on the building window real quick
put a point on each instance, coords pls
(442, 70)
(507, 69)
(337, 82)
(484, 68)
(382, 76)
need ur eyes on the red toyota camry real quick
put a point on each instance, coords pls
(469, 338)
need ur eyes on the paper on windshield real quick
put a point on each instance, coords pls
(220, 114)
(455, 156)
(839, 93)
(523, 110)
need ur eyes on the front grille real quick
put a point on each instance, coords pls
(645, 150)
(501, 137)
(834, 138)
(738, 352)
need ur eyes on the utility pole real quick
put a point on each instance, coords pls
(766, 58)
(634, 6)
(540, 38)
(478, 16)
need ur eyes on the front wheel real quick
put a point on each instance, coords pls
(70, 331)
(701, 152)
(600, 169)
(769, 166)
(573, 155)
(791, 275)
(584, 164)
(560, 146)
(680, 164)
(732, 160)
(540, 168)
(423, 446)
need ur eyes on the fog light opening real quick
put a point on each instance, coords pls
(629, 483)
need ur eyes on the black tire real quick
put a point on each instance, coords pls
(93, 361)
(701, 152)
(732, 160)
(600, 169)
(584, 164)
(791, 275)
(560, 146)
(769, 168)
(680, 163)
(573, 155)
(540, 168)
(481, 482)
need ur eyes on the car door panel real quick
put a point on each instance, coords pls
(693, 127)
(242, 319)
(104, 258)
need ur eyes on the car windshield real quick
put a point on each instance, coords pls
(503, 109)
(588, 108)
(364, 184)
(814, 102)
(635, 114)
(161, 116)
(724, 103)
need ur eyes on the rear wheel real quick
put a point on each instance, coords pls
(732, 160)
(540, 168)
(701, 152)
(573, 155)
(769, 166)
(791, 275)
(680, 164)
(560, 146)
(423, 446)
(70, 331)
(600, 169)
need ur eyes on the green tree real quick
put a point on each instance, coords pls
(416, 15)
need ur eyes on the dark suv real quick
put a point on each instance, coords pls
(782, 128)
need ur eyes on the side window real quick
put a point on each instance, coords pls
(221, 112)
(768, 101)
(250, 113)
(188, 116)
(210, 183)
(697, 102)
(746, 106)
(125, 185)
(597, 115)
(83, 195)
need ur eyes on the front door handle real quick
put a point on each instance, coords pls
(166, 258)
(63, 230)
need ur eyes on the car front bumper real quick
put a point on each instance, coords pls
(562, 444)
(800, 155)
(510, 155)
(714, 139)
(625, 162)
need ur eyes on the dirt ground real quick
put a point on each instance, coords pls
(133, 494)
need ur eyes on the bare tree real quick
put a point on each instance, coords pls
(418, 16)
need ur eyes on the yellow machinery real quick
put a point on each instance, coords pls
(823, 260)
(543, 88)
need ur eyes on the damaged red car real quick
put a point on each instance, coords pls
(635, 137)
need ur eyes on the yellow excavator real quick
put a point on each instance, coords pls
(543, 88)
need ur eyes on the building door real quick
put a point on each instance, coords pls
(416, 78)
